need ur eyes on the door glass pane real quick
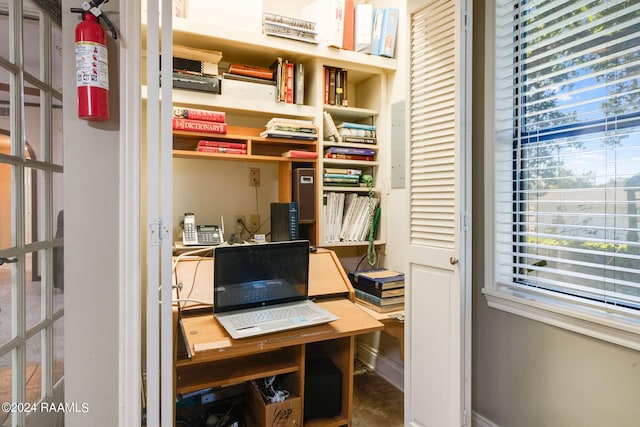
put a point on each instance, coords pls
(35, 290)
(33, 205)
(33, 379)
(58, 349)
(31, 41)
(6, 305)
(56, 132)
(33, 122)
(56, 58)
(6, 389)
(6, 205)
(5, 110)
(4, 30)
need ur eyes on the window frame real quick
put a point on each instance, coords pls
(611, 324)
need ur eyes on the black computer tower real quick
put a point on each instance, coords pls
(322, 389)
(284, 221)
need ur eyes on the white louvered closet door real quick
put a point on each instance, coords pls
(437, 369)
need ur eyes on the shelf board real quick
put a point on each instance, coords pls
(346, 114)
(345, 244)
(206, 100)
(329, 188)
(191, 154)
(264, 49)
(346, 162)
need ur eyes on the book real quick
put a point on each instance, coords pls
(293, 127)
(288, 32)
(350, 150)
(289, 83)
(207, 149)
(225, 144)
(363, 26)
(329, 128)
(379, 278)
(357, 132)
(348, 176)
(274, 120)
(199, 126)
(251, 70)
(329, 15)
(380, 293)
(349, 21)
(328, 180)
(343, 171)
(360, 126)
(270, 133)
(230, 76)
(293, 22)
(376, 30)
(301, 154)
(373, 299)
(276, 70)
(381, 309)
(388, 33)
(358, 139)
(197, 114)
(208, 59)
(299, 82)
(348, 157)
(248, 89)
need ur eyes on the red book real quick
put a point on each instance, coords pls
(349, 22)
(199, 126)
(224, 144)
(195, 114)
(289, 89)
(301, 154)
(251, 71)
(222, 150)
(348, 156)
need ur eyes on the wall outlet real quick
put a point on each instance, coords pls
(254, 177)
(254, 223)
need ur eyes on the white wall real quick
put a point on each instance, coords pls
(526, 373)
(91, 202)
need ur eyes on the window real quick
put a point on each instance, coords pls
(566, 162)
(31, 242)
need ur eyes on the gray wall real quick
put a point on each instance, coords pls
(526, 373)
(91, 203)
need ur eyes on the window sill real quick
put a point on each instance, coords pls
(619, 328)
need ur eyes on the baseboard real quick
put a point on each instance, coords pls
(387, 368)
(478, 420)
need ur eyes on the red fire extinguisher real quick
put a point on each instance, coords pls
(92, 62)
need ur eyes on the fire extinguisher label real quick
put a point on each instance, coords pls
(92, 65)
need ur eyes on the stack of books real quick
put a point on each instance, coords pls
(195, 120)
(348, 217)
(335, 86)
(343, 177)
(350, 153)
(299, 129)
(289, 28)
(214, 146)
(357, 132)
(288, 78)
(379, 289)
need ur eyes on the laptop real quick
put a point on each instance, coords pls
(264, 288)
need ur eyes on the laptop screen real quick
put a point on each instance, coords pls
(248, 275)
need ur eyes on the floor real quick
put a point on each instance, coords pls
(376, 403)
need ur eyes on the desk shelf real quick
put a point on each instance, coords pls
(192, 377)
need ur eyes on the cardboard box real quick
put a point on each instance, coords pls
(280, 414)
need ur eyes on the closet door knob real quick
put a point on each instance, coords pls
(453, 260)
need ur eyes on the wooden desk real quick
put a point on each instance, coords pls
(219, 360)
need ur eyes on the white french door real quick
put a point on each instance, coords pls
(438, 328)
(31, 219)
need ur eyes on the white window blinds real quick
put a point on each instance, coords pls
(568, 149)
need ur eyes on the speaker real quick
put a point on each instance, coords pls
(284, 221)
(304, 193)
(322, 389)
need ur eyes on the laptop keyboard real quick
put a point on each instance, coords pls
(294, 314)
